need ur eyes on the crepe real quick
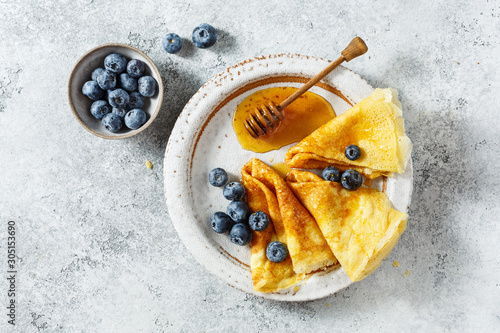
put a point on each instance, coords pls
(375, 125)
(308, 249)
(361, 227)
(267, 276)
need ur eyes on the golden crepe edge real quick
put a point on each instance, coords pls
(361, 227)
(316, 151)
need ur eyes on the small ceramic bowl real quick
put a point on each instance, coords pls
(80, 104)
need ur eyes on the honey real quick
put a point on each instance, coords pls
(302, 117)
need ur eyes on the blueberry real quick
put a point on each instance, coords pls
(136, 100)
(221, 222)
(238, 211)
(331, 173)
(171, 43)
(204, 36)
(107, 80)
(234, 191)
(120, 112)
(240, 234)
(100, 108)
(118, 98)
(112, 122)
(352, 152)
(217, 177)
(135, 118)
(258, 221)
(115, 62)
(92, 90)
(135, 68)
(147, 86)
(96, 72)
(127, 82)
(351, 180)
(276, 251)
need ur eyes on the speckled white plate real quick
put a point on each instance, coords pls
(203, 139)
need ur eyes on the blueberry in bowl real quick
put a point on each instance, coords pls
(81, 94)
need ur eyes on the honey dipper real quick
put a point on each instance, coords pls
(268, 117)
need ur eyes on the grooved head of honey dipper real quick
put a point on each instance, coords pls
(355, 48)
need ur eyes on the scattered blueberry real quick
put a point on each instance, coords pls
(107, 80)
(147, 86)
(238, 211)
(136, 100)
(234, 191)
(351, 180)
(220, 222)
(118, 98)
(135, 68)
(120, 112)
(96, 72)
(135, 118)
(217, 177)
(204, 36)
(276, 251)
(115, 62)
(171, 43)
(352, 152)
(240, 234)
(331, 173)
(112, 122)
(92, 90)
(258, 221)
(100, 108)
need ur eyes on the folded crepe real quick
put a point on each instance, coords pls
(361, 227)
(294, 226)
(375, 125)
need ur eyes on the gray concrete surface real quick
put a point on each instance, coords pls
(96, 249)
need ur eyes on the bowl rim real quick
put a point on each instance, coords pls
(133, 132)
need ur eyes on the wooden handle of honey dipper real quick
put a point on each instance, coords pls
(355, 48)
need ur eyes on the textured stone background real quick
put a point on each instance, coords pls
(97, 249)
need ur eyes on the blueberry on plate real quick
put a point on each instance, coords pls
(100, 108)
(127, 82)
(120, 112)
(96, 72)
(136, 68)
(204, 36)
(238, 211)
(234, 191)
(112, 122)
(146, 86)
(118, 98)
(258, 221)
(240, 234)
(332, 174)
(107, 80)
(276, 251)
(221, 222)
(136, 100)
(351, 180)
(217, 177)
(352, 152)
(115, 62)
(92, 90)
(172, 43)
(135, 118)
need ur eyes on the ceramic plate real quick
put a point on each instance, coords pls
(203, 139)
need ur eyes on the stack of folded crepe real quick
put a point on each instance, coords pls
(290, 223)
(319, 221)
(375, 125)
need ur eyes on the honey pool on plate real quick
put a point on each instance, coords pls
(302, 117)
